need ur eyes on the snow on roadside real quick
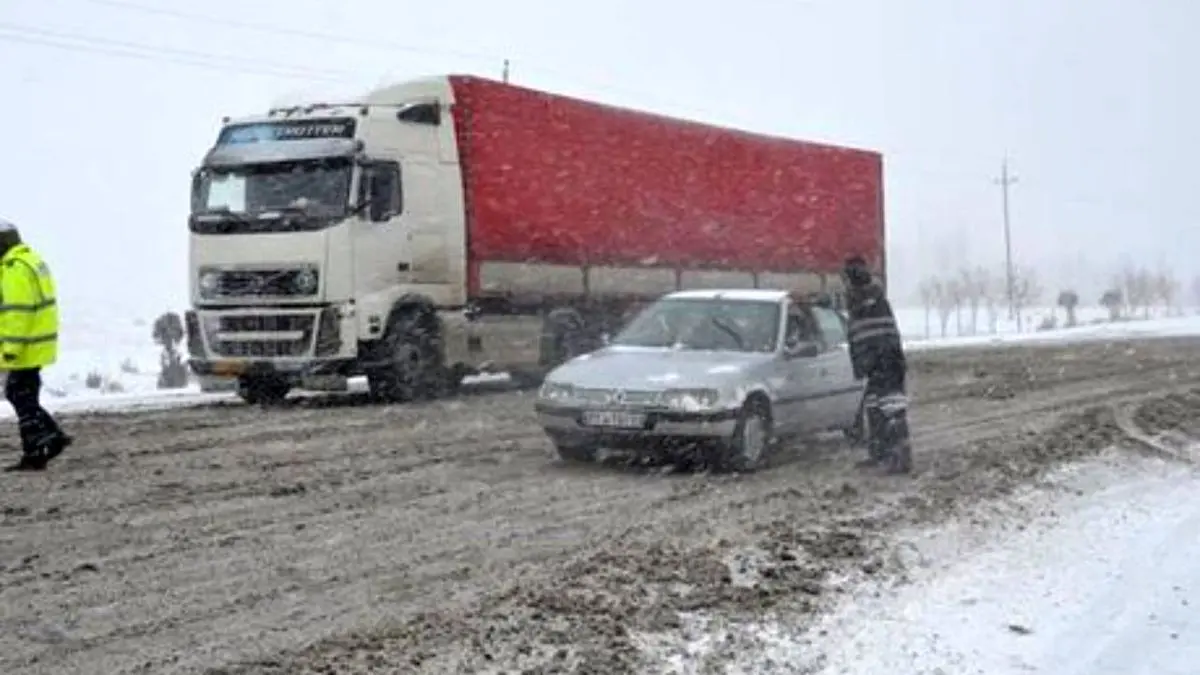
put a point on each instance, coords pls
(1120, 330)
(1096, 576)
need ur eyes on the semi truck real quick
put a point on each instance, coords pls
(449, 226)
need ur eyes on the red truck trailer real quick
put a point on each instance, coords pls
(455, 224)
(560, 181)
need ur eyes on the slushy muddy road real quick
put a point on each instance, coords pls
(327, 537)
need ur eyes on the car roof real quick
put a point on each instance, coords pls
(750, 294)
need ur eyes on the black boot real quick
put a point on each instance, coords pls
(55, 447)
(30, 461)
(876, 423)
(899, 459)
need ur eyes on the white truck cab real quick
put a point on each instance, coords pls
(326, 241)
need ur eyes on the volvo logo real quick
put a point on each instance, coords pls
(618, 396)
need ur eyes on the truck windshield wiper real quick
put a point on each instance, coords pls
(223, 219)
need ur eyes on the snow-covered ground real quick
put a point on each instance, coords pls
(106, 363)
(1103, 581)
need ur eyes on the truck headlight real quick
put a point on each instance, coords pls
(210, 283)
(555, 392)
(305, 282)
(691, 400)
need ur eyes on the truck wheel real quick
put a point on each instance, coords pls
(415, 368)
(263, 390)
(564, 336)
(747, 450)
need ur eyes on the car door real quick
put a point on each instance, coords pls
(799, 396)
(842, 392)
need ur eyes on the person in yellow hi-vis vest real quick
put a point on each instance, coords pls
(28, 343)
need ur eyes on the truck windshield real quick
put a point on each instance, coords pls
(708, 324)
(315, 189)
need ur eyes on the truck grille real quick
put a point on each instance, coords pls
(258, 283)
(261, 335)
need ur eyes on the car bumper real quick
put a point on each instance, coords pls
(660, 428)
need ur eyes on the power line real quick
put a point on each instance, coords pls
(86, 43)
(293, 32)
(367, 43)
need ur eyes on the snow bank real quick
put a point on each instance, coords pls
(1104, 581)
(1119, 330)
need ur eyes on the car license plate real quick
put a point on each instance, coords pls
(228, 368)
(610, 418)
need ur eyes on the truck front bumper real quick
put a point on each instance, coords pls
(284, 369)
(287, 342)
(661, 428)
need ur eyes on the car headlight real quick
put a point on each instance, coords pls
(209, 283)
(553, 391)
(305, 282)
(691, 400)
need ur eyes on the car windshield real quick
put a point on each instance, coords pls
(704, 323)
(317, 187)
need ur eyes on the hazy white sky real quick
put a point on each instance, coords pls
(109, 104)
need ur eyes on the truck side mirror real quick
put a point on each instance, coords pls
(197, 182)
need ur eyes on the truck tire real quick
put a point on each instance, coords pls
(263, 390)
(414, 370)
(564, 336)
(746, 451)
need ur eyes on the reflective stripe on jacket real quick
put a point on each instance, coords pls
(872, 332)
(28, 311)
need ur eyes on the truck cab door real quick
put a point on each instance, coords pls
(382, 257)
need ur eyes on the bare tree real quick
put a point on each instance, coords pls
(1027, 290)
(1196, 292)
(954, 289)
(991, 289)
(1166, 289)
(168, 333)
(1137, 289)
(928, 292)
(945, 303)
(1069, 301)
(973, 295)
(1113, 302)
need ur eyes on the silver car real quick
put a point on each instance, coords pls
(731, 370)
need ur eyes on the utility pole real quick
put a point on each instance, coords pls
(504, 75)
(1006, 179)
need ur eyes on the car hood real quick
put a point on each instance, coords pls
(655, 369)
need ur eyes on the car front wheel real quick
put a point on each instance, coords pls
(747, 450)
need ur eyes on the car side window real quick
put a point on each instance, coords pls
(833, 327)
(800, 327)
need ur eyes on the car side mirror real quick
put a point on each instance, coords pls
(802, 349)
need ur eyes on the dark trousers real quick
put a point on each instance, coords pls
(38, 428)
(886, 407)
